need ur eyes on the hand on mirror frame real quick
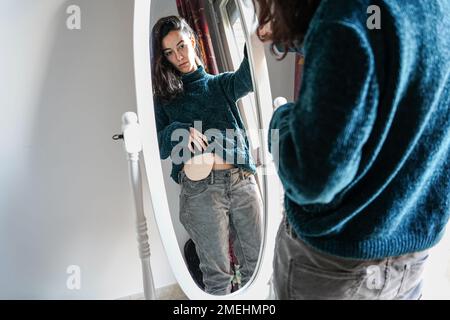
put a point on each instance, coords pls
(198, 139)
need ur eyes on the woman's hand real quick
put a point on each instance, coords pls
(198, 139)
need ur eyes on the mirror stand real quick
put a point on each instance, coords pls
(133, 146)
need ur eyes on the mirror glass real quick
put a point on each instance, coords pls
(207, 125)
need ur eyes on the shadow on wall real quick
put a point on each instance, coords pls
(71, 201)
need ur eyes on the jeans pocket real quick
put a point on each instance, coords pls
(191, 188)
(307, 282)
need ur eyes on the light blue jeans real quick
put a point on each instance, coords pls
(227, 204)
(303, 273)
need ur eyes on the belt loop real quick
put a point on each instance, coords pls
(287, 226)
(211, 180)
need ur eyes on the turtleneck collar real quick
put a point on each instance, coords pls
(194, 75)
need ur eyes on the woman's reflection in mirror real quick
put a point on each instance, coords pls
(221, 212)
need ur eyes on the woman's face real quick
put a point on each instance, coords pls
(179, 50)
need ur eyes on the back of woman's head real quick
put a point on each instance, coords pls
(166, 78)
(289, 19)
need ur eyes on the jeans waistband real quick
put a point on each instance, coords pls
(220, 174)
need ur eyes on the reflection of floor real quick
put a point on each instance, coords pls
(172, 292)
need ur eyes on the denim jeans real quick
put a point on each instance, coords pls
(225, 205)
(303, 273)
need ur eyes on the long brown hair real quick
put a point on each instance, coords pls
(289, 19)
(167, 83)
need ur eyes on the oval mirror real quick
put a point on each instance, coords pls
(213, 185)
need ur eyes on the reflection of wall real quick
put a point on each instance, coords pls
(282, 75)
(65, 196)
(159, 9)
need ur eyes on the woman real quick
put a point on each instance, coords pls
(364, 151)
(227, 202)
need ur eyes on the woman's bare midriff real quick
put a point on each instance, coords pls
(220, 164)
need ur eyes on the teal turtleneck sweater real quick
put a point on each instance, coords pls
(211, 100)
(364, 154)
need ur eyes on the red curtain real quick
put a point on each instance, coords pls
(193, 11)
(299, 62)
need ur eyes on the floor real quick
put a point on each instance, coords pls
(172, 292)
(434, 290)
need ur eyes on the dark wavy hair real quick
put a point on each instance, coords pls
(167, 83)
(290, 20)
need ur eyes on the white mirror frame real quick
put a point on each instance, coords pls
(258, 287)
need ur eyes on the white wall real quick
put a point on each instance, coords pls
(66, 198)
(437, 271)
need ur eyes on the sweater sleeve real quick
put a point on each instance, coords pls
(239, 83)
(321, 136)
(165, 130)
